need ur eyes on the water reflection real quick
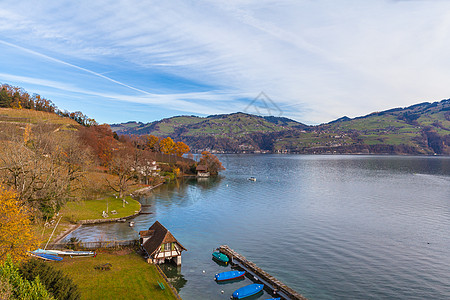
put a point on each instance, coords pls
(174, 275)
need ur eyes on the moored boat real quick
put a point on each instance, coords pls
(221, 257)
(230, 275)
(248, 291)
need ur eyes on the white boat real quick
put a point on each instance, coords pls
(64, 252)
(131, 224)
(252, 178)
(74, 253)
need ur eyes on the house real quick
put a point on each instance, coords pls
(202, 171)
(160, 245)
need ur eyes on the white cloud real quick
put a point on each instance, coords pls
(319, 60)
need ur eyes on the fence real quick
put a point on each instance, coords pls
(94, 245)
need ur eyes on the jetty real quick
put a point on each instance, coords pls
(277, 287)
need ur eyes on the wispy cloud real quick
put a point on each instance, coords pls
(318, 60)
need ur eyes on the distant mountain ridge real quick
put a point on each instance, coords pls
(422, 128)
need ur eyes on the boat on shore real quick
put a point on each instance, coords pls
(220, 257)
(230, 275)
(64, 252)
(45, 256)
(74, 253)
(247, 291)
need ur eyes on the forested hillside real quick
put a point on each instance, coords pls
(419, 129)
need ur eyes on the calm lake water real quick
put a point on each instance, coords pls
(330, 227)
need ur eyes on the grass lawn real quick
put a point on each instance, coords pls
(92, 209)
(130, 277)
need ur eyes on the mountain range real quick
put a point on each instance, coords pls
(418, 129)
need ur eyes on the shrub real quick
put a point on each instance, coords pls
(58, 284)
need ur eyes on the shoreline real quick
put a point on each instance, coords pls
(72, 228)
(146, 189)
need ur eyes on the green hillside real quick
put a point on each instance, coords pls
(419, 129)
(228, 133)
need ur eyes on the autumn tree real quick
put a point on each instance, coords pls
(152, 143)
(181, 148)
(167, 146)
(212, 163)
(16, 232)
(41, 167)
(101, 140)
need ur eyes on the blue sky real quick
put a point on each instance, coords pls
(145, 60)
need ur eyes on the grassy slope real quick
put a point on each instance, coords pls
(92, 209)
(11, 115)
(130, 277)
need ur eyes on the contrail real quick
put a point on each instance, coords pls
(72, 65)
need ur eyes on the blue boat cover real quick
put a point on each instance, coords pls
(48, 256)
(248, 290)
(230, 275)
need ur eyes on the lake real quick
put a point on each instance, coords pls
(330, 227)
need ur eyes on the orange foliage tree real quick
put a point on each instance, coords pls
(16, 233)
(211, 162)
(101, 139)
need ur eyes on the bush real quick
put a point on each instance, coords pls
(58, 284)
(14, 286)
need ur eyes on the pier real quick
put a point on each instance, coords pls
(277, 287)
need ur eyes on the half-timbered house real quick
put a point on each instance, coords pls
(160, 245)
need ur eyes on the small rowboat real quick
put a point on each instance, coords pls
(230, 275)
(221, 257)
(248, 291)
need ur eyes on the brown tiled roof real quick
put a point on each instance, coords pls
(146, 233)
(160, 236)
(202, 168)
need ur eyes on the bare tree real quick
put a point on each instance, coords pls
(122, 165)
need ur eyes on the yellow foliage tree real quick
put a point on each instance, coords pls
(27, 134)
(16, 233)
(152, 143)
(167, 146)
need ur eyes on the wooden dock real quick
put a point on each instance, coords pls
(277, 287)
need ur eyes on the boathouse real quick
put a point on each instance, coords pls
(202, 171)
(160, 245)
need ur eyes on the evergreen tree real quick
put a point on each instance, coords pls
(58, 284)
(5, 98)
